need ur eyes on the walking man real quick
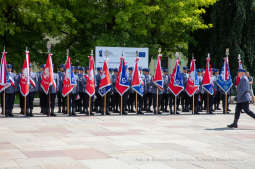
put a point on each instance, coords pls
(243, 98)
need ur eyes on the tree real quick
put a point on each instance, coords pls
(233, 28)
(81, 25)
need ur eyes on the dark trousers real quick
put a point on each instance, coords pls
(164, 102)
(217, 99)
(154, 96)
(171, 101)
(9, 101)
(98, 103)
(29, 101)
(242, 106)
(131, 100)
(60, 100)
(184, 100)
(116, 101)
(84, 101)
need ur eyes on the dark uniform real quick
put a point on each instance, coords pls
(115, 95)
(98, 99)
(243, 98)
(52, 95)
(165, 95)
(147, 97)
(61, 76)
(10, 92)
(131, 92)
(154, 89)
(33, 88)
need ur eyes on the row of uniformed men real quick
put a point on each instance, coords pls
(79, 99)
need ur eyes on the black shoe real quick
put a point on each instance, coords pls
(177, 113)
(233, 125)
(228, 109)
(210, 112)
(218, 108)
(196, 113)
(59, 110)
(53, 114)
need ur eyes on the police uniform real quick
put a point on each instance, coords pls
(217, 95)
(61, 76)
(165, 95)
(243, 97)
(98, 99)
(115, 95)
(84, 97)
(131, 92)
(10, 93)
(184, 95)
(52, 95)
(147, 98)
(30, 97)
(74, 94)
(154, 89)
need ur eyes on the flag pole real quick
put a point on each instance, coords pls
(174, 104)
(120, 105)
(136, 103)
(89, 105)
(207, 107)
(105, 104)
(4, 103)
(157, 100)
(226, 94)
(49, 49)
(67, 105)
(193, 105)
(25, 105)
(4, 96)
(25, 99)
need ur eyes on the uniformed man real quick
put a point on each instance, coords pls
(10, 92)
(52, 95)
(61, 76)
(74, 96)
(184, 95)
(154, 89)
(165, 95)
(243, 98)
(147, 98)
(82, 92)
(131, 93)
(40, 90)
(98, 101)
(33, 88)
(115, 95)
(217, 94)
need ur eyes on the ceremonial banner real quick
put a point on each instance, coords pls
(105, 82)
(157, 77)
(207, 82)
(47, 75)
(25, 78)
(90, 85)
(136, 83)
(224, 81)
(176, 81)
(192, 83)
(69, 80)
(4, 75)
(122, 84)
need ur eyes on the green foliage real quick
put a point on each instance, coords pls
(80, 25)
(233, 28)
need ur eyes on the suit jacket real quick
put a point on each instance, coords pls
(243, 90)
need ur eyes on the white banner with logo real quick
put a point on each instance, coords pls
(114, 54)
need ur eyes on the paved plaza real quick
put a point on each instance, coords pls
(127, 142)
